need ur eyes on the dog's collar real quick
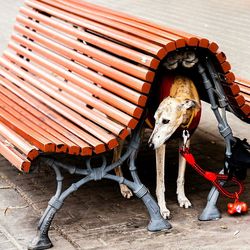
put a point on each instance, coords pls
(186, 126)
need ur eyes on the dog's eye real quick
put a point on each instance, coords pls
(165, 121)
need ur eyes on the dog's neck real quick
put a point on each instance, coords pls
(184, 89)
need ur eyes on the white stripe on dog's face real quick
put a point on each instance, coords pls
(168, 117)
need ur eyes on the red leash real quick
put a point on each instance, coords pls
(237, 206)
(213, 177)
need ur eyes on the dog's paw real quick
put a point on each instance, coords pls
(125, 191)
(165, 213)
(184, 202)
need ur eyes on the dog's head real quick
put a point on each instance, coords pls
(170, 115)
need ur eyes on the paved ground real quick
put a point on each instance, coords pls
(97, 217)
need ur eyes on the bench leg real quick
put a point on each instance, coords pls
(42, 240)
(157, 222)
(211, 212)
(95, 173)
(216, 96)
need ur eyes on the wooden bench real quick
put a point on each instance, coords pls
(76, 79)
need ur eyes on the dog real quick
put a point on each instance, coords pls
(176, 112)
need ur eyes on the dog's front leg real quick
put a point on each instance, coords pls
(125, 191)
(160, 180)
(182, 199)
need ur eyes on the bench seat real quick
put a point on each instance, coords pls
(76, 78)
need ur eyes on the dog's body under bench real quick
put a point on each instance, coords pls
(76, 78)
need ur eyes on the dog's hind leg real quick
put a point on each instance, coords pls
(181, 197)
(125, 191)
(160, 180)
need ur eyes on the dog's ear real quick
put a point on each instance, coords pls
(189, 103)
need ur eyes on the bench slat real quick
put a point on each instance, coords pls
(231, 90)
(19, 142)
(244, 88)
(13, 156)
(237, 100)
(100, 55)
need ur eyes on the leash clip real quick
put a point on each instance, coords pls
(186, 136)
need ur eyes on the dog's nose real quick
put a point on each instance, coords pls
(151, 145)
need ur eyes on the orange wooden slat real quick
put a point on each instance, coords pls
(246, 96)
(231, 90)
(243, 82)
(213, 47)
(19, 142)
(230, 77)
(238, 100)
(203, 43)
(221, 57)
(245, 109)
(225, 66)
(244, 88)
(13, 156)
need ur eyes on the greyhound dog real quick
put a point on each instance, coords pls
(174, 112)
